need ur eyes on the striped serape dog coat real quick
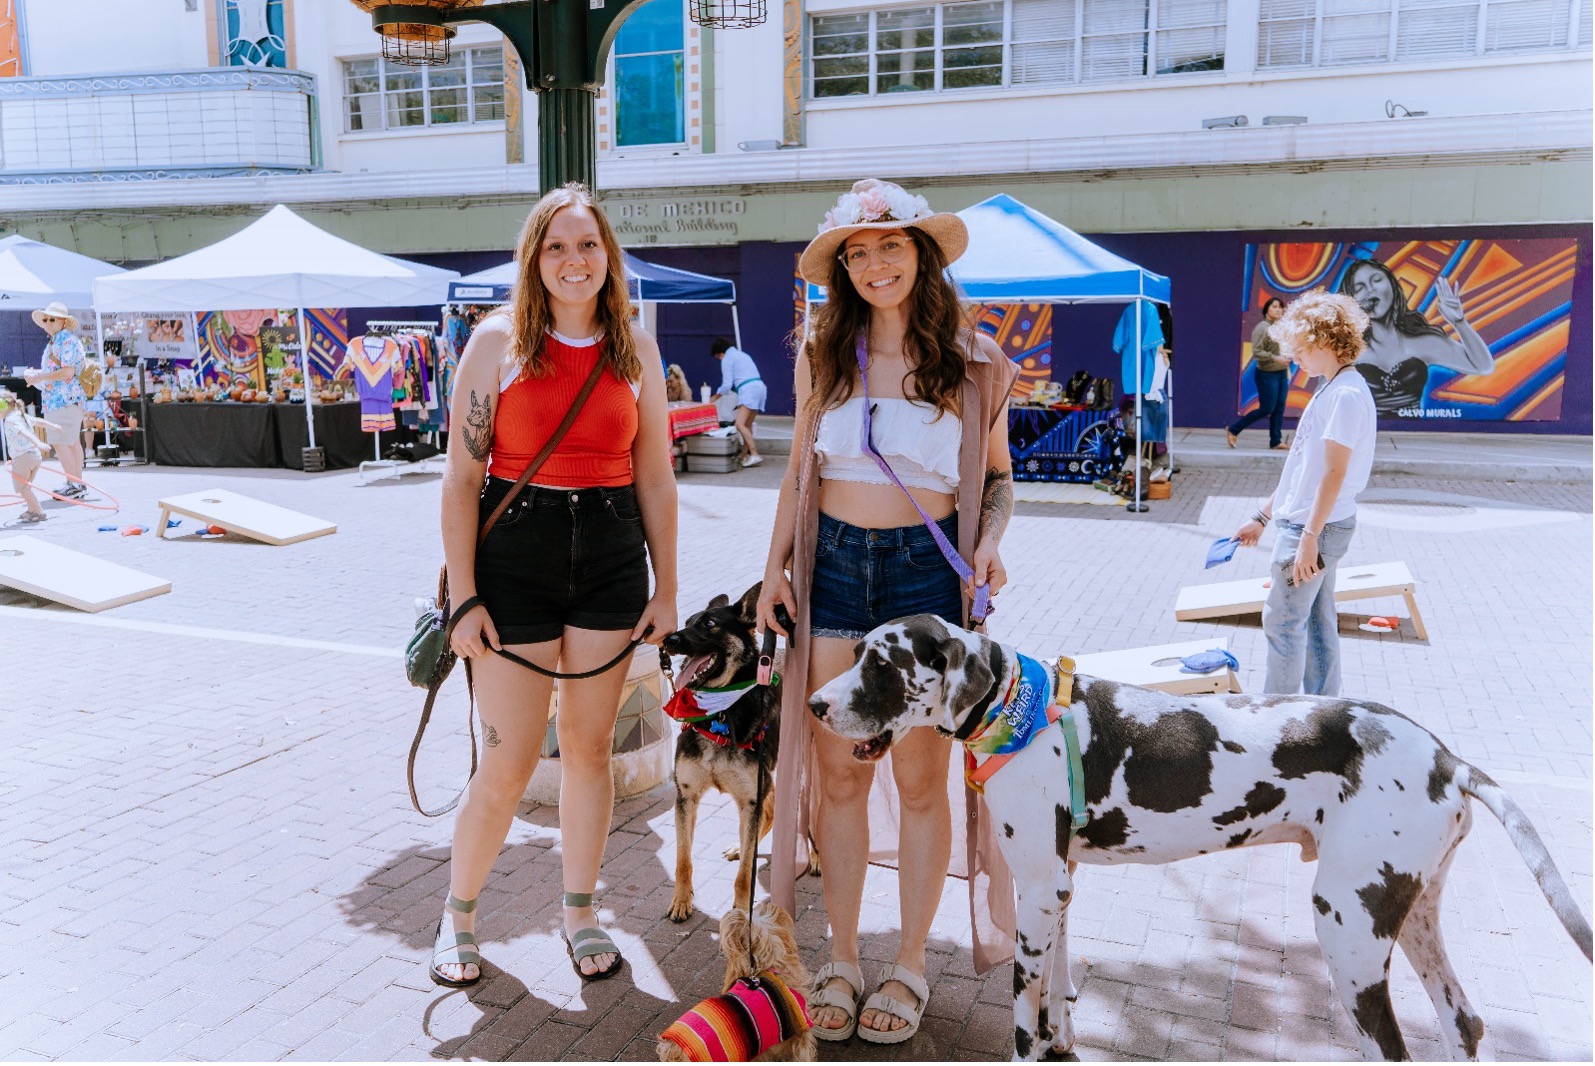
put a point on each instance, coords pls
(752, 1016)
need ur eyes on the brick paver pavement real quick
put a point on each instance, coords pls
(208, 853)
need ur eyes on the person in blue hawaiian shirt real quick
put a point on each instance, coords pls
(62, 398)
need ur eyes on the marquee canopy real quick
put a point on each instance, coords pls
(34, 274)
(646, 282)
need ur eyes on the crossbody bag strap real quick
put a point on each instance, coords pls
(982, 607)
(453, 617)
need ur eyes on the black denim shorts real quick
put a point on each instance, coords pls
(864, 578)
(561, 557)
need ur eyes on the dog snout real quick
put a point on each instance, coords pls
(819, 707)
(672, 643)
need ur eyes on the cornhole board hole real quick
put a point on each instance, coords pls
(1158, 667)
(52, 572)
(1352, 582)
(260, 521)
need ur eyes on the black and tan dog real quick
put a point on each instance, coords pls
(722, 751)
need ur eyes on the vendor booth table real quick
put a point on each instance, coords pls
(688, 418)
(1061, 444)
(255, 434)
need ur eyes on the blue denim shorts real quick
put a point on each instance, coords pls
(864, 578)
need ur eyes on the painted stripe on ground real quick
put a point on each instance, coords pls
(237, 636)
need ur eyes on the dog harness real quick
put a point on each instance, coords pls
(699, 710)
(1027, 708)
(749, 1018)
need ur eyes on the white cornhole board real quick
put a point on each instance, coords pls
(1352, 582)
(1159, 667)
(249, 518)
(51, 572)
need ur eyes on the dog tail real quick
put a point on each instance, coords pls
(1476, 783)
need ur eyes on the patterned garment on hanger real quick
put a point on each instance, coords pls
(374, 360)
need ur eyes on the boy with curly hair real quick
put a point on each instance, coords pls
(1315, 504)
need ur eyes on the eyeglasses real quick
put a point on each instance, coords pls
(47, 318)
(891, 250)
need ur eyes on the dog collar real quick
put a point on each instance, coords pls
(1011, 722)
(1061, 683)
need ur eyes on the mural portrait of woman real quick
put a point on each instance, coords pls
(1402, 344)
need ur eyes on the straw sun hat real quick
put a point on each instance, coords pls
(55, 310)
(876, 204)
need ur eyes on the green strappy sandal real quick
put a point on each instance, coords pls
(585, 943)
(461, 952)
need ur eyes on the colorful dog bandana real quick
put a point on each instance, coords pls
(749, 1018)
(702, 704)
(1020, 715)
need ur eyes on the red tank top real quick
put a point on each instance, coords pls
(596, 449)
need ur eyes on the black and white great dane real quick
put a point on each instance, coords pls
(1366, 791)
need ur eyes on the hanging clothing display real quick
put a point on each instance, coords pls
(375, 360)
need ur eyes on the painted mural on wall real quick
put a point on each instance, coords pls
(10, 39)
(1461, 329)
(243, 345)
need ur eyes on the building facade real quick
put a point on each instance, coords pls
(1242, 147)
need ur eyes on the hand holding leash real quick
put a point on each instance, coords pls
(767, 652)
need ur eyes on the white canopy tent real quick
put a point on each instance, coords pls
(34, 274)
(279, 260)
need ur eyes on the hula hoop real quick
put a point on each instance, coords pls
(114, 505)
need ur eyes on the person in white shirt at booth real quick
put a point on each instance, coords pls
(738, 374)
(1331, 457)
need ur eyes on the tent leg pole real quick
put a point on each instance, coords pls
(304, 366)
(1140, 386)
(736, 327)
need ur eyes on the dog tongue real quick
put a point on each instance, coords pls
(693, 667)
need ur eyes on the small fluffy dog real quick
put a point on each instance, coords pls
(736, 727)
(763, 1014)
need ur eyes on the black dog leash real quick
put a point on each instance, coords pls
(766, 676)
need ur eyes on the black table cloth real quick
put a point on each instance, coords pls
(337, 431)
(214, 434)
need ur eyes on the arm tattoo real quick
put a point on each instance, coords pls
(478, 429)
(996, 503)
(491, 737)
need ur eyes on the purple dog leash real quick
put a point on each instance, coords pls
(983, 607)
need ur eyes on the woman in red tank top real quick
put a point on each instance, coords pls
(562, 578)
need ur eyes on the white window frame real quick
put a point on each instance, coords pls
(384, 68)
(939, 47)
(1393, 57)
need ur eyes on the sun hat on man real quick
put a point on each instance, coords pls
(55, 310)
(879, 205)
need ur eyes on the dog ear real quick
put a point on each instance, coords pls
(721, 600)
(748, 609)
(978, 681)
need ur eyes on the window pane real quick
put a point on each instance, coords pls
(966, 67)
(406, 109)
(487, 64)
(488, 103)
(649, 103)
(399, 78)
(360, 76)
(1043, 20)
(840, 35)
(1285, 44)
(913, 27)
(1525, 25)
(365, 112)
(447, 105)
(1185, 51)
(847, 76)
(1043, 36)
(971, 24)
(654, 27)
(905, 72)
(445, 77)
(1354, 39)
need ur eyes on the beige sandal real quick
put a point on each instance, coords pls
(825, 996)
(912, 1014)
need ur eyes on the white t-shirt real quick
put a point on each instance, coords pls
(1341, 411)
(736, 368)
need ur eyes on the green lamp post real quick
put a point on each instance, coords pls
(563, 46)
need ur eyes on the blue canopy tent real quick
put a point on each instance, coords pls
(1018, 255)
(646, 283)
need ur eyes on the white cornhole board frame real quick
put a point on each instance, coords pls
(1352, 582)
(52, 572)
(247, 517)
(1140, 666)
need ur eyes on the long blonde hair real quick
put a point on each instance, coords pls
(528, 306)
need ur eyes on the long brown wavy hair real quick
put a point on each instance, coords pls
(528, 305)
(935, 321)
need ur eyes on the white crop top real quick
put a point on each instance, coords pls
(921, 448)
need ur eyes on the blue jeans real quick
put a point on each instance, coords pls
(1299, 621)
(864, 578)
(1272, 388)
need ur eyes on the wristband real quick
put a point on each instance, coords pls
(1309, 533)
(1260, 518)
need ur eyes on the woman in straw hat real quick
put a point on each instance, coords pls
(62, 399)
(850, 551)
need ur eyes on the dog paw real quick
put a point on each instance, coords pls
(733, 853)
(680, 910)
(814, 863)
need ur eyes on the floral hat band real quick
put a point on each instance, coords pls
(873, 204)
